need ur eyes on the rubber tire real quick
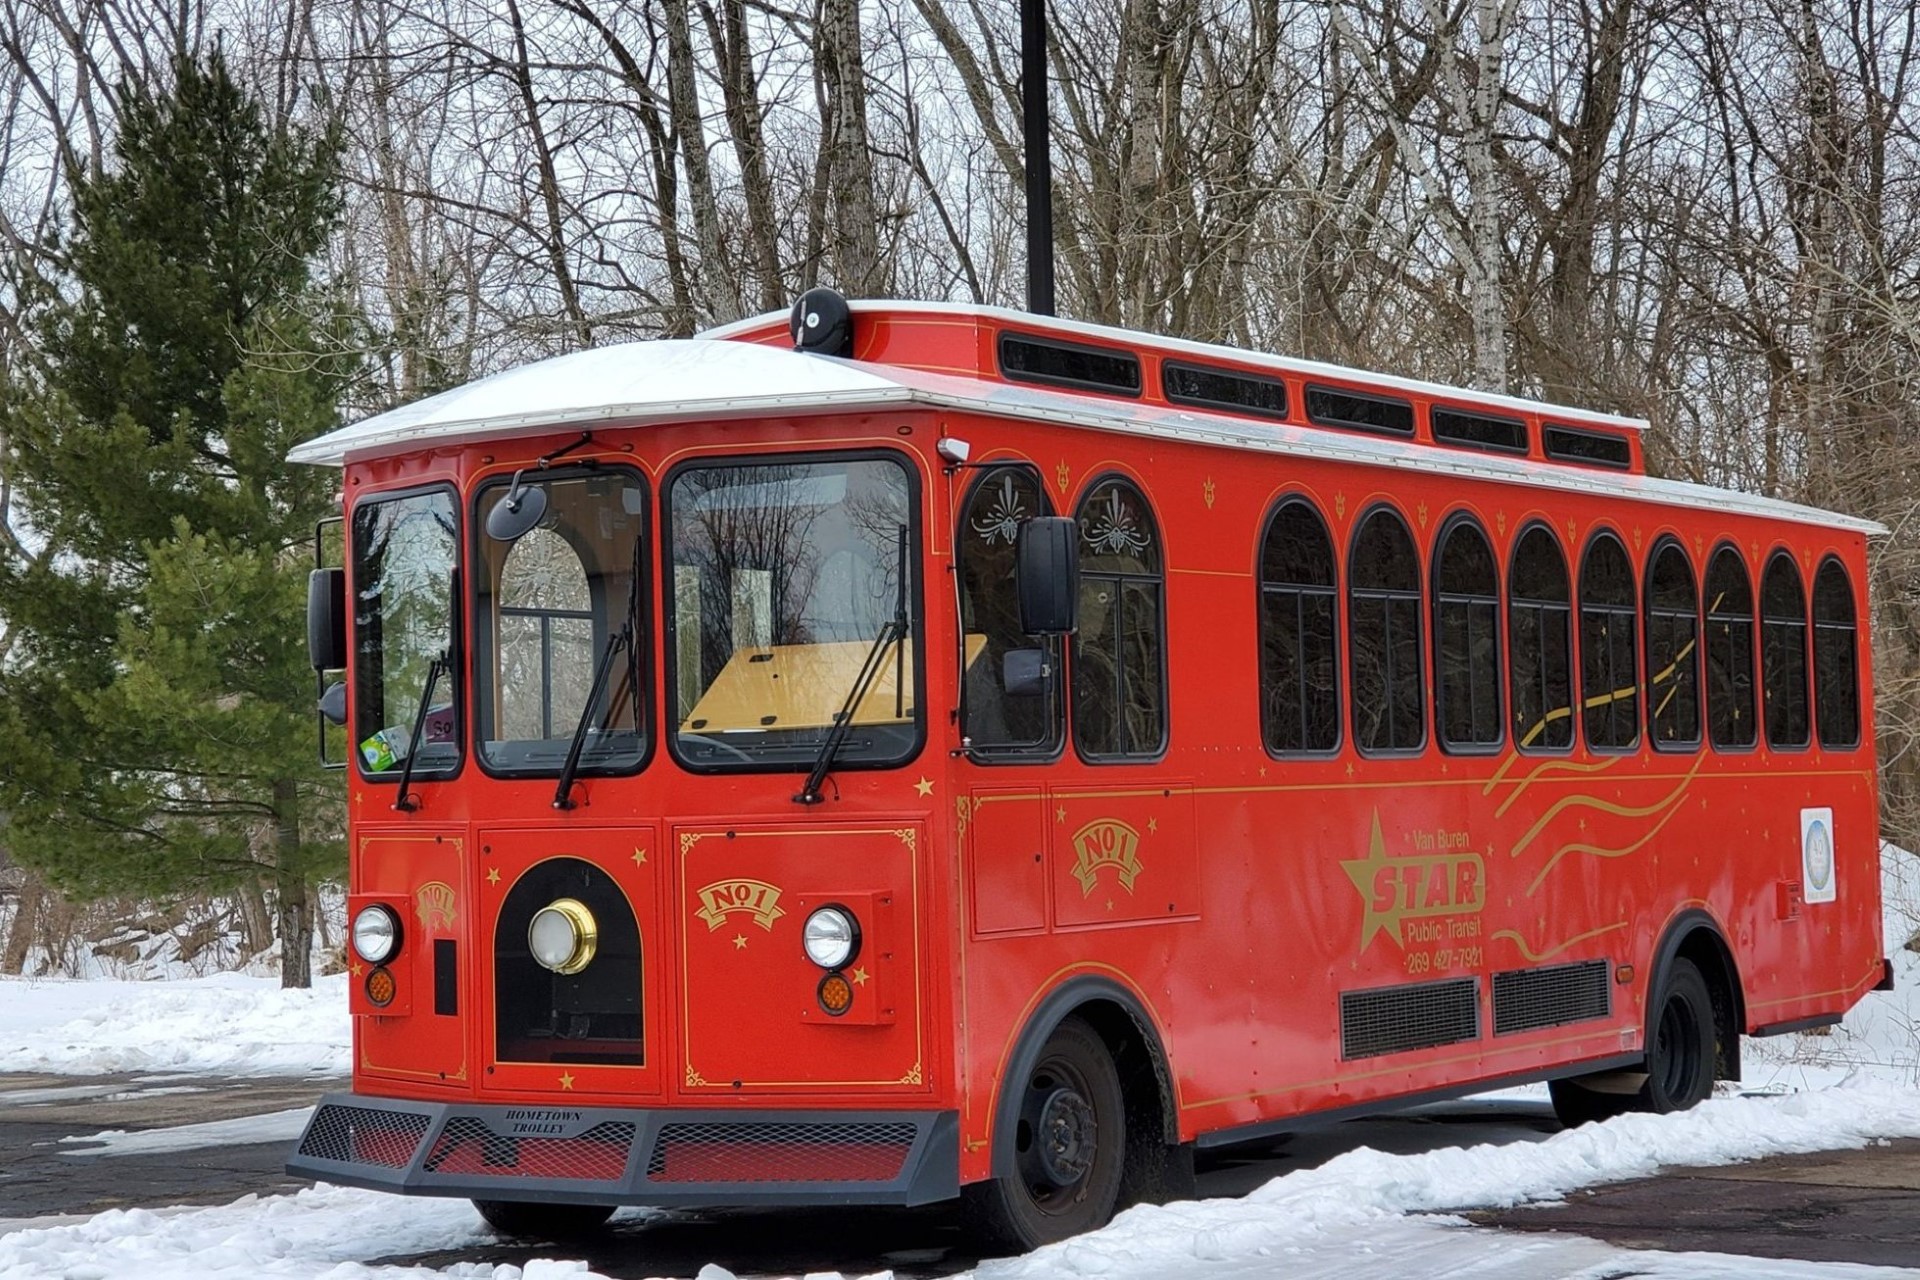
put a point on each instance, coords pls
(526, 1220)
(1681, 1043)
(1682, 1052)
(1027, 1209)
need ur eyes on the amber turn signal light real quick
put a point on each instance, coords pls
(836, 994)
(380, 987)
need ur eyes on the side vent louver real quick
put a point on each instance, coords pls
(1400, 1019)
(1069, 364)
(1529, 999)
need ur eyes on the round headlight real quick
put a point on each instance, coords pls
(562, 936)
(376, 934)
(831, 937)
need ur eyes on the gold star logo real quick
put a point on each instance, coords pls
(493, 875)
(1060, 813)
(924, 787)
(1153, 825)
(355, 969)
(639, 857)
(566, 1080)
(1109, 904)
(739, 942)
(860, 977)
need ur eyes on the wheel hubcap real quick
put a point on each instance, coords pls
(1064, 1141)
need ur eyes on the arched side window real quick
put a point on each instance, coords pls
(1836, 660)
(1783, 653)
(1729, 608)
(1609, 659)
(1673, 650)
(1119, 674)
(1299, 664)
(1383, 637)
(1540, 643)
(1010, 699)
(1466, 639)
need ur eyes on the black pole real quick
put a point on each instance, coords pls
(1033, 103)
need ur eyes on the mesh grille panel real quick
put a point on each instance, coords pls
(1398, 1019)
(780, 1152)
(362, 1135)
(1527, 999)
(469, 1145)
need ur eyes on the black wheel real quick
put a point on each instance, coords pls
(1069, 1148)
(1680, 1050)
(544, 1221)
(1681, 1046)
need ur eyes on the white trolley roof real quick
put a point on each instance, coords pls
(715, 379)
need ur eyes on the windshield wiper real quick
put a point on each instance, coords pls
(403, 800)
(622, 639)
(894, 632)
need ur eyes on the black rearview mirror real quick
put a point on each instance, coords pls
(333, 702)
(518, 512)
(327, 619)
(1048, 565)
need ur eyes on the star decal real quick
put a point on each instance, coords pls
(739, 942)
(1153, 825)
(493, 875)
(924, 787)
(861, 977)
(566, 1080)
(1060, 814)
(355, 969)
(1109, 904)
(639, 857)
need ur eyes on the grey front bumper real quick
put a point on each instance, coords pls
(607, 1155)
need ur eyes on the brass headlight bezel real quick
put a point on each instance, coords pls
(586, 935)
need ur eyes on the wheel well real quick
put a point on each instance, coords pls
(1143, 1073)
(1703, 945)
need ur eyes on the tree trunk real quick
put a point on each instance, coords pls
(33, 893)
(292, 919)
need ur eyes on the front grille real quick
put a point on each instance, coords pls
(1528, 999)
(469, 1145)
(780, 1152)
(363, 1135)
(1417, 1016)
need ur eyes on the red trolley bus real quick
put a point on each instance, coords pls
(922, 751)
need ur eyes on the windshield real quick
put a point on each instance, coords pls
(784, 577)
(403, 560)
(548, 606)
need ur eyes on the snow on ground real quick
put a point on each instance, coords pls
(1363, 1213)
(231, 1024)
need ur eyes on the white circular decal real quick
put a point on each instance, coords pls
(1819, 851)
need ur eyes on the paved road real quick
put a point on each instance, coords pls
(1839, 1206)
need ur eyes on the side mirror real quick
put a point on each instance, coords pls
(327, 619)
(333, 703)
(1047, 557)
(1023, 672)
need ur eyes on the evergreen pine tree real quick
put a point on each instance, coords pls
(157, 701)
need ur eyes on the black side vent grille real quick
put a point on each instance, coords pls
(1565, 444)
(1528, 999)
(1069, 364)
(1399, 1019)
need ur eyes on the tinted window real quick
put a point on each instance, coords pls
(1299, 673)
(1010, 698)
(1383, 603)
(1673, 642)
(1540, 638)
(1505, 435)
(1224, 389)
(1729, 607)
(1042, 360)
(1331, 408)
(1119, 696)
(1836, 664)
(1569, 445)
(1466, 639)
(1783, 653)
(1609, 662)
